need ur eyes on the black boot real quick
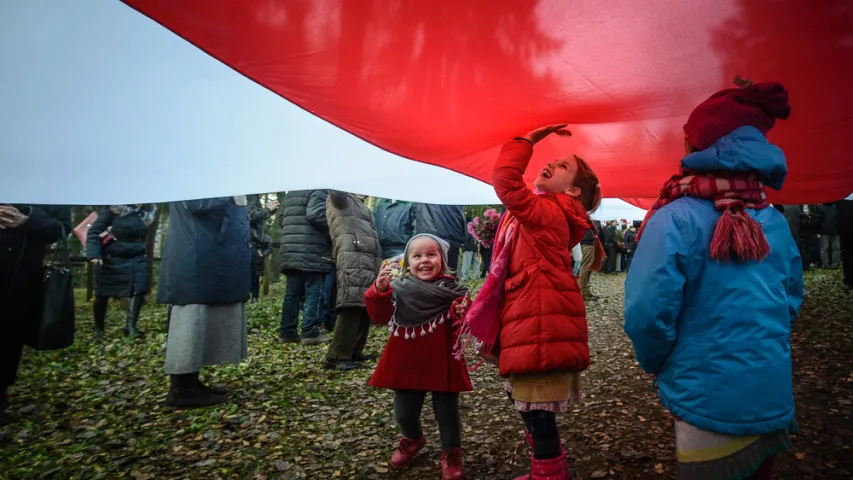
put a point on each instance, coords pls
(185, 393)
(4, 403)
(214, 390)
(133, 316)
(99, 310)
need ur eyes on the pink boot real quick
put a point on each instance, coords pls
(406, 452)
(549, 469)
(451, 465)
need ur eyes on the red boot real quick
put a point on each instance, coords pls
(549, 469)
(451, 465)
(406, 452)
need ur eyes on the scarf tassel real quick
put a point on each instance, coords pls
(738, 235)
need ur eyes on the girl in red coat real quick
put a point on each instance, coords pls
(421, 307)
(529, 315)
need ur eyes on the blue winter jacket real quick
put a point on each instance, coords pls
(717, 335)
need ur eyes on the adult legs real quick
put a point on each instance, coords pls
(453, 258)
(99, 310)
(329, 314)
(362, 334)
(134, 307)
(835, 257)
(314, 282)
(825, 241)
(294, 290)
(256, 287)
(587, 259)
(465, 269)
(846, 241)
(12, 330)
(348, 336)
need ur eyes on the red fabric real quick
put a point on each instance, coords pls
(543, 322)
(447, 82)
(737, 234)
(425, 363)
(758, 105)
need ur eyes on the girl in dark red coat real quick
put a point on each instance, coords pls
(421, 308)
(530, 315)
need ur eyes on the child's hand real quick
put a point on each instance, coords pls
(462, 307)
(536, 135)
(383, 281)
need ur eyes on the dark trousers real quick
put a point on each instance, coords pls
(407, 411)
(351, 332)
(12, 331)
(453, 259)
(328, 312)
(629, 258)
(256, 286)
(542, 427)
(610, 264)
(307, 286)
(847, 258)
(486, 254)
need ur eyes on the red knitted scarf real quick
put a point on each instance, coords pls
(737, 234)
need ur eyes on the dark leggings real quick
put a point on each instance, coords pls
(542, 426)
(407, 410)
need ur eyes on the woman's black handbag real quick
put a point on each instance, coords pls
(54, 329)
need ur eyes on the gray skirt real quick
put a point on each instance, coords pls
(201, 335)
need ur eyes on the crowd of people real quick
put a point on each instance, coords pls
(711, 290)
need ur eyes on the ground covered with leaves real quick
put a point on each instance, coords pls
(96, 410)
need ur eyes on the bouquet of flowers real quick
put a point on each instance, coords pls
(484, 230)
(396, 265)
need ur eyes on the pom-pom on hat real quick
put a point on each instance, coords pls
(754, 104)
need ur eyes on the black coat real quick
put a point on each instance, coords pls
(610, 236)
(844, 211)
(630, 242)
(264, 246)
(305, 242)
(827, 219)
(124, 272)
(206, 259)
(21, 272)
(444, 221)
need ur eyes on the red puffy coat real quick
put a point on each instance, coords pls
(425, 363)
(543, 323)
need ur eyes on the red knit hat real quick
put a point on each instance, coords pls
(755, 104)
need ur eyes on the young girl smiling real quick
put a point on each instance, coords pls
(421, 307)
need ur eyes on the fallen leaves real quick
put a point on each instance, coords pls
(96, 410)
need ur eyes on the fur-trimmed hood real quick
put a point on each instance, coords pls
(146, 211)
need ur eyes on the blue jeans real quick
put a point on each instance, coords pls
(307, 286)
(328, 312)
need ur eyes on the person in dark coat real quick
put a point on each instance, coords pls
(261, 242)
(115, 244)
(844, 210)
(25, 233)
(205, 277)
(446, 222)
(827, 228)
(306, 259)
(611, 247)
(355, 245)
(395, 225)
(794, 217)
(630, 246)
